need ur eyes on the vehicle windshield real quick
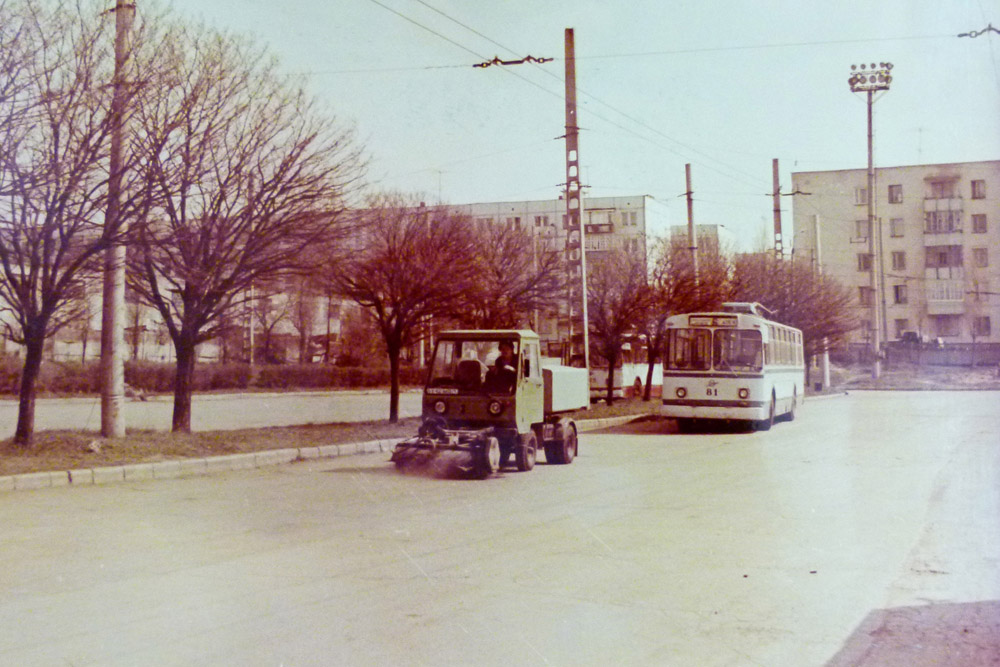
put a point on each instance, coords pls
(689, 349)
(737, 350)
(723, 350)
(475, 365)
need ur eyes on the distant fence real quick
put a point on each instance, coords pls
(929, 354)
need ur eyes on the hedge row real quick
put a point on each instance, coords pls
(76, 378)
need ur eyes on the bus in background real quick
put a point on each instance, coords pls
(630, 373)
(734, 364)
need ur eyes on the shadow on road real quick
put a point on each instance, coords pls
(657, 425)
(936, 634)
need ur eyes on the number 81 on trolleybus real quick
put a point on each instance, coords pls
(732, 364)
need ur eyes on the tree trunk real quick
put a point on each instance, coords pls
(28, 390)
(394, 349)
(647, 391)
(183, 383)
(612, 364)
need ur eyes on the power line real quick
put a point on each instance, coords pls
(625, 115)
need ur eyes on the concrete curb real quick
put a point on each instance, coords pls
(177, 468)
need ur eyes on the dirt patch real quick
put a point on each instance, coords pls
(914, 377)
(67, 450)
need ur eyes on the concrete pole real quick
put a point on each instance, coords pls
(872, 250)
(575, 232)
(824, 360)
(113, 313)
(692, 237)
(779, 249)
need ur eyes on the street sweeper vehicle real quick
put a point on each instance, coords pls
(488, 397)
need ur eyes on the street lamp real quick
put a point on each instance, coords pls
(870, 79)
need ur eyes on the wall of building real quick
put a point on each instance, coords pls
(938, 233)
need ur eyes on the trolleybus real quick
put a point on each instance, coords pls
(732, 364)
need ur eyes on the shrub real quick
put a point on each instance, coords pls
(158, 378)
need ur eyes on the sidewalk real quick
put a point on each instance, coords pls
(175, 468)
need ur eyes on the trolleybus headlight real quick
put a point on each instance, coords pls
(495, 408)
(681, 392)
(440, 407)
(744, 392)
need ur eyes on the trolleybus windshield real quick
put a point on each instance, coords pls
(723, 350)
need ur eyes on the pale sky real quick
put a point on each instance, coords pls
(725, 86)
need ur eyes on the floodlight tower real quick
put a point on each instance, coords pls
(870, 80)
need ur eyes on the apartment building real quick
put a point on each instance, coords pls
(609, 222)
(718, 237)
(936, 245)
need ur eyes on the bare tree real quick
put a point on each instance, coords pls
(817, 304)
(618, 298)
(409, 264)
(56, 60)
(675, 289)
(270, 308)
(516, 275)
(302, 313)
(244, 172)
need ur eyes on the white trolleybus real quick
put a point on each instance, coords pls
(734, 364)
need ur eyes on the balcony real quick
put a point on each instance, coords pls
(599, 228)
(945, 297)
(944, 204)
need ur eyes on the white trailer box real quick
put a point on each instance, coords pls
(566, 388)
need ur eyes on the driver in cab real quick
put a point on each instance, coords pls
(502, 375)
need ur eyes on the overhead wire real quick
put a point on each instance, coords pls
(596, 99)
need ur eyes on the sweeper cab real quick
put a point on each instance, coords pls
(488, 397)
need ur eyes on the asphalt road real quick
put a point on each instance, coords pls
(863, 533)
(217, 412)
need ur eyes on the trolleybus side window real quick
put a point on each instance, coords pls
(689, 349)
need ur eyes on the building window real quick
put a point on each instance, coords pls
(980, 290)
(981, 326)
(860, 196)
(628, 218)
(942, 222)
(978, 223)
(940, 257)
(948, 325)
(864, 261)
(541, 221)
(900, 325)
(980, 258)
(899, 293)
(979, 189)
(898, 260)
(942, 189)
(865, 296)
(896, 228)
(895, 194)
(861, 228)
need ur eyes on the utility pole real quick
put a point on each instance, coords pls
(869, 81)
(692, 237)
(824, 360)
(113, 313)
(779, 250)
(576, 258)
